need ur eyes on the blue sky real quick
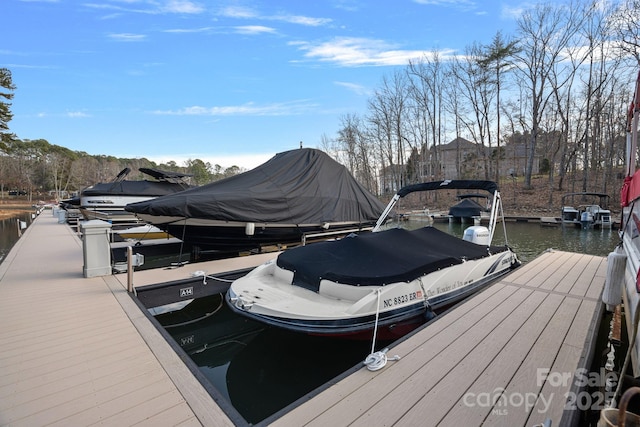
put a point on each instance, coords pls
(228, 82)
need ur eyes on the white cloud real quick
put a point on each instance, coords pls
(348, 5)
(514, 12)
(254, 29)
(248, 109)
(353, 87)
(77, 114)
(127, 37)
(68, 114)
(150, 7)
(247, 13)
(458, 4)
(182, 6)
(29, 66)
(355, 51)
(237, 12)
(301, 20)
(190, 30)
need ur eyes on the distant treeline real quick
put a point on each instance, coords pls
(37, 168)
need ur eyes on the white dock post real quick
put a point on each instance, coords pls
(62, 216)
(96, 248)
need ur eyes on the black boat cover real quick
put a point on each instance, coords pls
(303, 186)
(466, 208)
(168, 183)
(390, 256)
(134, 188)
(164, 175)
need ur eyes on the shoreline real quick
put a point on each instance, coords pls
(12, 210)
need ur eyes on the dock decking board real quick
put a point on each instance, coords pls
(540, 316)
(496, 375)
(409, 395)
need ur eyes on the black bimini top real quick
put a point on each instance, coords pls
(389, 256)
(134, 188)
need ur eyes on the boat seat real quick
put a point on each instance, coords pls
(374, 259)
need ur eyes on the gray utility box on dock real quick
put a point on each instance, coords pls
(96, 248)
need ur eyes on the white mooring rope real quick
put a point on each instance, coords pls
(206, 276)
(377, 359)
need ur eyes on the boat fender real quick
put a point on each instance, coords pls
(616, 265)
(429, 314)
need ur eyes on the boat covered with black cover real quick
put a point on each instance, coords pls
(108, 199)
(294, 193)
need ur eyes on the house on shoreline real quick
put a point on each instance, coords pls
(460, 159)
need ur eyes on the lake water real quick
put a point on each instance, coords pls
(530, 239)
(259, 370)
(9, 232)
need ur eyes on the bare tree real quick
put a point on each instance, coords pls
(564, 85)
(388, 110)
(478, 94)
(497, 56)
(60, 162)
(353, 147)
(544, 32)
(426, 80)
(624, 22)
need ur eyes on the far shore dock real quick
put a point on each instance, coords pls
(77, 351)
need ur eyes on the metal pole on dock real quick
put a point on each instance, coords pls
(129, 269)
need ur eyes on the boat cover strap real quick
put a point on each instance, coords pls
(381, 258)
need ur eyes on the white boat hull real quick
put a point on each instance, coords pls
(268, 295)
(102, 202)
(109, 207)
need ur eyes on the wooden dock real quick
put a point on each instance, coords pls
(494, 360)
(78, 351)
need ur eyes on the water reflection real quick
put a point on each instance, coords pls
(9, 232)
(278, 367)
(530, 239)
(259, 370)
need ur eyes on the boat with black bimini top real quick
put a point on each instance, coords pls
(591, 212)
(107, 200)
(385, 280)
